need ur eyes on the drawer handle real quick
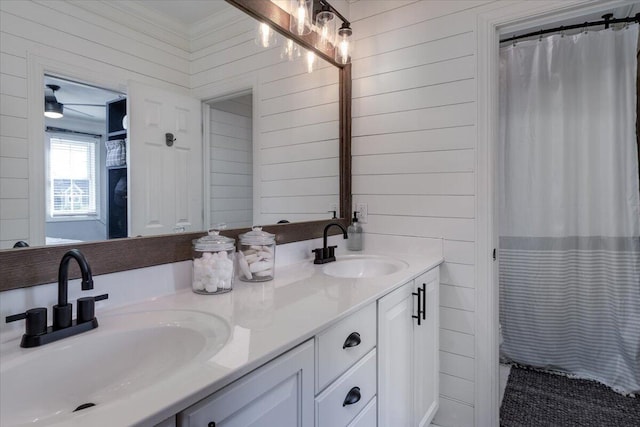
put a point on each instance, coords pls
(352, 397)
(211, 424)
(352, 340)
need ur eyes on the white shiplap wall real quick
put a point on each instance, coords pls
(414, 136)
(415, 133)
(296, 137)
(73, 37)
(231, 160)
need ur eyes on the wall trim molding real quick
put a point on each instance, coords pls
(489, 25)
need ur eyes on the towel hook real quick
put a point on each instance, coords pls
(169, 139)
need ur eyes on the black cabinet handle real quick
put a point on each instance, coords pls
(352, 397)
(419, 312)
(424, 301)
(211, 424)
(352, 340)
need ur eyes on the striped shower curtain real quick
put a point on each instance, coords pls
(569, 206)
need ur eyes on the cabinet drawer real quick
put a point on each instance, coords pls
(332, 357)
(331, 410)
(368, 416)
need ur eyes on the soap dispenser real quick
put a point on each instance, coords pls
(354, 242)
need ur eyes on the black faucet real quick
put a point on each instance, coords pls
(62, 311)
(326, 253)
(36, 331)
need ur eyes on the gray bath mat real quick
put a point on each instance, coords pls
(540, 399)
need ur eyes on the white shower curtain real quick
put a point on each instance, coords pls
(569, 206)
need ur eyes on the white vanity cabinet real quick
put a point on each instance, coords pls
(279, 393)
(377, 366)
(408, 322)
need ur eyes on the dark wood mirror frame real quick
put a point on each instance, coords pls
(26, 267)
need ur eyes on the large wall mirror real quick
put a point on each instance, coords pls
(276, 146)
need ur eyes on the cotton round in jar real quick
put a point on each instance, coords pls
(213, 264)
(256, 256)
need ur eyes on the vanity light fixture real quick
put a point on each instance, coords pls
(300, 22)
(326, 18)
(52, 108)
(326, 23)
(344, 44)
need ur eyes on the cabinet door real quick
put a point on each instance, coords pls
(426, 352)
(395, 337)
(279, 393)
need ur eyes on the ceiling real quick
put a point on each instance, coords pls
(187, 12)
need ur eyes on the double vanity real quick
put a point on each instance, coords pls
(353, 342)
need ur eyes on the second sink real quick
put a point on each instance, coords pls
(362, 266)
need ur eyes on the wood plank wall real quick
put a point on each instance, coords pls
(414, 137)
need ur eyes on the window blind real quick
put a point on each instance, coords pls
(72, 176)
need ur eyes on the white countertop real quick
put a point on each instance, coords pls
(265, 319)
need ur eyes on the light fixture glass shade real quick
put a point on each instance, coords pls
(311, 61)
(53, 109)
(290, 50)
(326, 23)
(300, 22)
(265, 36)
(344, 45)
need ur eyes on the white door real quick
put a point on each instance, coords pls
(165, 180)
(279, 393)
(426, 352)
(395, 337)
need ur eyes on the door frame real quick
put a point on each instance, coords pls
(37, 67)
(515, 17)
(221, 92)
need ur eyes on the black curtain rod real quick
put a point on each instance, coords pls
(607, 21)
(62, 130)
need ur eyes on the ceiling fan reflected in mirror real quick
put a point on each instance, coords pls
(55, 109)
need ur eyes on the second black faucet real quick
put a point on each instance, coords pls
(326, 253)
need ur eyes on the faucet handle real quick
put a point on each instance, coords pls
(319, 254)
(36, 320)
(86, 308)
(331, 251)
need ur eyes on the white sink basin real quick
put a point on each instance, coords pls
(360, 266)
(125, 354)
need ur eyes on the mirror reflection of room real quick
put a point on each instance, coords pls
(295, 136)
(231, 160)
(85, 162)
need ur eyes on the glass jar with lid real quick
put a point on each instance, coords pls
(256, 256)
(213, 263)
